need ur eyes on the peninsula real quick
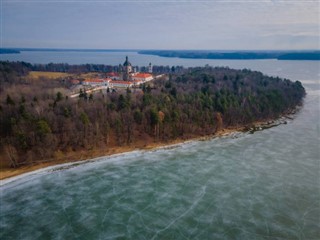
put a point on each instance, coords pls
(41, 124)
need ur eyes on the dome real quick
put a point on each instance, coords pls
(127, 63)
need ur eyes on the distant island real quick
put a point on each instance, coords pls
(236, 55)
(40, 121)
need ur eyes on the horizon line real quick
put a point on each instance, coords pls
(141, 49)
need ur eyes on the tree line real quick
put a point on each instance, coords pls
(82, 68)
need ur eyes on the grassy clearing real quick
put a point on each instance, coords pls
(88, 75)
(54, 75)
(51, 75)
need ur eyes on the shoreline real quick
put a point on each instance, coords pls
(11, 174)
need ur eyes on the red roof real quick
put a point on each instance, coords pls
(75, 81)
(143, 75)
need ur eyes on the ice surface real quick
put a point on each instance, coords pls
(245, 186)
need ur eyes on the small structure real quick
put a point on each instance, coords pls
(74, 81)
(95, 82)
(122, 84)
(113, 76)
(144, 77)
(137, 82)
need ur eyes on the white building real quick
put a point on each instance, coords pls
(96, 82)
(122, 84)
(144, 77)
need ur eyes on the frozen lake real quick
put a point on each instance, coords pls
(245, 186)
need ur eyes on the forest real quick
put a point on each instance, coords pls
(40, 122)
(84, 68)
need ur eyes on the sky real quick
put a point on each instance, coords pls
(152, 24)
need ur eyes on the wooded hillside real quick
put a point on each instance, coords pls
(38, 121)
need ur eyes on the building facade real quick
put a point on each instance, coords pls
(97, 82)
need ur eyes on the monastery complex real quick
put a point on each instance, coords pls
(127, 77)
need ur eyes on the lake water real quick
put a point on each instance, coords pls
(243, 186)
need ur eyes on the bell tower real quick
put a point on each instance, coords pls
(127, 67)
(150, 68)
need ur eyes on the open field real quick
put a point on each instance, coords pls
(55, 75)
(51, 75)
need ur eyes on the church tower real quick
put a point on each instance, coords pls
(127, 68)
(150, 68)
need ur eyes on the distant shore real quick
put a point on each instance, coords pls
(195, 54)
(8, 51)
(85, 156)
(236, 55)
